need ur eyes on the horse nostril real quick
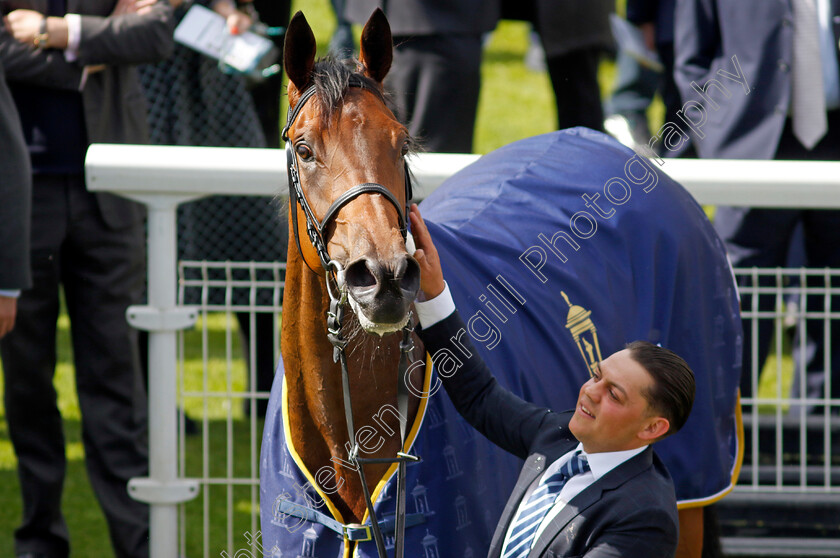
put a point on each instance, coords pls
(359, 275)
(409, 275)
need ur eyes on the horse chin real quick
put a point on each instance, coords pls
(373, 327)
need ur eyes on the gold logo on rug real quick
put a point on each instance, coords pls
(584, 333)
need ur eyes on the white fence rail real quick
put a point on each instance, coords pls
(182, 469)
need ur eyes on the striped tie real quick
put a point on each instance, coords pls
(532, 512)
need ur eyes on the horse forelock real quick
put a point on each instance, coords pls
(332, 82)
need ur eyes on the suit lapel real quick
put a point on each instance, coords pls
(572, 509)
(589, 496)
(533, 468)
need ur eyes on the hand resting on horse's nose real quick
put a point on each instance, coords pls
(431, 274)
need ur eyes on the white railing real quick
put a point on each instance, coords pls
(164, 177)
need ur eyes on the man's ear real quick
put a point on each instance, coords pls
(655, 429)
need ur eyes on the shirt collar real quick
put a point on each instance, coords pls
(602, 463)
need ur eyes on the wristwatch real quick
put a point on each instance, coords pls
(41, 37)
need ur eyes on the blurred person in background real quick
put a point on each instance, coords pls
(786, 53)
(342, 44)
(636, 84)
(195, 101)
(90, 244)
(435, 77)
(575, 35)
(266, 94)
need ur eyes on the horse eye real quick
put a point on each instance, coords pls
(404, 149)
(303, 151)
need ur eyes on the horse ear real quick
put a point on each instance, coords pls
(377, 48)
(299, 51)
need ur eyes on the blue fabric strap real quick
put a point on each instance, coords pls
(350, 532)
(532, 512)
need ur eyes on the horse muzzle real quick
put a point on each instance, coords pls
(381, 293)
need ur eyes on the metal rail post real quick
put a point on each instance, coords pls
(162, 489)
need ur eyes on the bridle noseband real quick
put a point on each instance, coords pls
(316, 228)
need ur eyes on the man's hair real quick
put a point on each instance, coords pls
(672, 393)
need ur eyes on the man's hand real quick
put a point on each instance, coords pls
(237, 21)
(24, 25)
(431, 274)
(133, 7)
(8, 312)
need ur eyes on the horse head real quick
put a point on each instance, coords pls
(347, 151)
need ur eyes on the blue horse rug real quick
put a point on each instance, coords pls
(559, 249)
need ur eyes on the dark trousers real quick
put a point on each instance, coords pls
(634, 89)
(435, 82)
(266, 95)
(668, 87)
(574, 78)
(101, 271)
(762, 237)
(265, 363)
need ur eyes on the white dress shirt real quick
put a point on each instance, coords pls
(434, 310)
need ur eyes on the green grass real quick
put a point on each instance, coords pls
(515, 103)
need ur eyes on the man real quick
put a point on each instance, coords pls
(90, 244)
(787, 52)
(591, 484)
(15, 171)
(575, 35)
(436, 74)
(50, 70)
(635, 85)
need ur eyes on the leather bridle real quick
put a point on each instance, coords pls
(316, 228)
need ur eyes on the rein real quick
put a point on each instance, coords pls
(316, 231)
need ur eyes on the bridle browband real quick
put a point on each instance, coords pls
(316, 231)
(316, 228)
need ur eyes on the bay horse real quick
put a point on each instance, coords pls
(345, 136)
(348, 246)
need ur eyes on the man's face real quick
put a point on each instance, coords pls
(611, 413)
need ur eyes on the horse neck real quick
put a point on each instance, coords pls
(313, 383)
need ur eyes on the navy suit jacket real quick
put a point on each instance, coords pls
(759, 33)
(631, 511)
